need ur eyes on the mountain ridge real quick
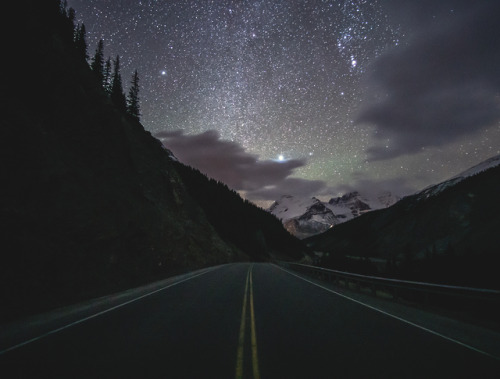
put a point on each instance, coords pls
(445, 234)
(434, 189)
(307, 217)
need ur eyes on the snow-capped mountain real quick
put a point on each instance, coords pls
(307, 217)
(354, 204)
(303, 217)
(434, 239)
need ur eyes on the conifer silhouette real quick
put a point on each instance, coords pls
(106, 80)
(97, 64)
(117, 95)
(80, 42)
(133, 97)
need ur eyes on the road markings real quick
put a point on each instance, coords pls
(394, 316)
(103, 312)
(241, 340)
(255, 360)
(253, 336)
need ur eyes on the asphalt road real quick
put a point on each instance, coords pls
(242, 320)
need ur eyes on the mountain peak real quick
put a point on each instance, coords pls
(305, 217)
(444, 236)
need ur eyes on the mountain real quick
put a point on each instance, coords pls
(483, 166)
(307, 217)
(446, 233)
(353, 204)
(239, 222)
(303, 217)
(90, 202)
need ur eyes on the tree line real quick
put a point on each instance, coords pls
(107, 72)
(253, 230)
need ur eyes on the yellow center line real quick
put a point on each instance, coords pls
(241, 340)
(255, 359)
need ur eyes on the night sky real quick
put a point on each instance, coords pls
(312, 97)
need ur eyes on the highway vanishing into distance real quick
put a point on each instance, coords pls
(239, 320)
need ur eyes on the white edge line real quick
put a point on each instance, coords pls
(103, 312)
(423, 284)
(394, 316)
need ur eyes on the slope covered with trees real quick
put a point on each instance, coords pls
(451, 237)
(254, 230)
(91, 202)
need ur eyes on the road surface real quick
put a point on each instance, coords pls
(241, 320)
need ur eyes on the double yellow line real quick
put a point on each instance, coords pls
(241, 340)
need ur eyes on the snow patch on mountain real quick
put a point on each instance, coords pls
(288, 207)
(483, 166)
(437, 188)
(307, 217)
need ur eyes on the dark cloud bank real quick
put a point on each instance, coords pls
(442, 86)
(229, 163)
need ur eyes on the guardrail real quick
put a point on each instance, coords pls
(417, 292)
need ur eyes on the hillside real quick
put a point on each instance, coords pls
(450, 236)
(252, 229)
(91, 202)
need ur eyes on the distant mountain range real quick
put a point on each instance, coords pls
(445, 233)
(306, 217)
(310, 216)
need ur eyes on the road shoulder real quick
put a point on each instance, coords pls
(21, 332)
(478, 338)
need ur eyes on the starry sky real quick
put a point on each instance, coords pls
(312, 97)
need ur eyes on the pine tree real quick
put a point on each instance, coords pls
(63, 6)
(80, 42)
(133, 97)
(97, 64)
(65, 22)
(106, 76)
(71, 13)
(117, 94)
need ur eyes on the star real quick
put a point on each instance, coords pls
(274, 75)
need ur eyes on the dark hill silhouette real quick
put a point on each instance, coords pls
(451, 237)
(91, 202)
(240, 222)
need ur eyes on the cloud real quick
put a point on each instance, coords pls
(290, 186)
(372, 188)
(444, 85)
(229, 163)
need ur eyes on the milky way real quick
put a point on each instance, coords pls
(280, 78)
